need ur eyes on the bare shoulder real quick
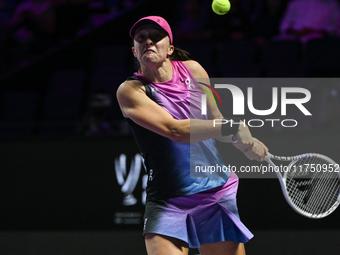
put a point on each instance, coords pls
(196, 69)
(129, 87)
(193, 65)
(129, 94)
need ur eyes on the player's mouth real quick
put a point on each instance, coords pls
(149, 51)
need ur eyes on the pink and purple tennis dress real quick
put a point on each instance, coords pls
(196, 210)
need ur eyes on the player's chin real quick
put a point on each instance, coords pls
(149, 59)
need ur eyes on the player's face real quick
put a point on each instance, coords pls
(151, 45)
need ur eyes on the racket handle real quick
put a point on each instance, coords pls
(268, 156)
(234, 139)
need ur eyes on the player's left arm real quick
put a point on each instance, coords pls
(201, 75)
(251, 147)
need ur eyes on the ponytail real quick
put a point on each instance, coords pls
(179, 54)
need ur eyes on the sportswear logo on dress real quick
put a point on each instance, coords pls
(189, 83)
(192, 86)
(154, 90)
(151, 177)
(128, 181)
(145, 221)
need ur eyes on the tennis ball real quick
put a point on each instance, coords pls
(220, 7)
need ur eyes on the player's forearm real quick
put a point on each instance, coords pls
(195, 130)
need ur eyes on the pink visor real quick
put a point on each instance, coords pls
(152, 20)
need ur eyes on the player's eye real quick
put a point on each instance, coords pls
(139, 37)
(157, 37)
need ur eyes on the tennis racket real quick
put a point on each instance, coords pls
(310, 183)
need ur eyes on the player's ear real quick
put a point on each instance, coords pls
(133, 51)
(171, 50)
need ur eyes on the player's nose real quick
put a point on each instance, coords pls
(148, 41)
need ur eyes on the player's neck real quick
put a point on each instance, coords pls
(156, 73)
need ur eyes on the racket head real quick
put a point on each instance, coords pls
(311, 184)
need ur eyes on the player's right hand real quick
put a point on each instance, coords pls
(250, 146)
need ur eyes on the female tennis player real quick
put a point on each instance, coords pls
(163, 110)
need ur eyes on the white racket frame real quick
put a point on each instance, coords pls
(283, 179)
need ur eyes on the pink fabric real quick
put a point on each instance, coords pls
(157, 20)
(181, 95)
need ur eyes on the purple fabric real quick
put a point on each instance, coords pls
(207, 217)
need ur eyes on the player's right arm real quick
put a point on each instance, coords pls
(137, 106)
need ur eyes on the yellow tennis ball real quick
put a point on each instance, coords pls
(220, 7)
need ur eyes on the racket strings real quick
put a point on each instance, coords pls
(334, 186)
(313, 185)
(324, 184)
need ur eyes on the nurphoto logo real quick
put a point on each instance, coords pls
(238, 107)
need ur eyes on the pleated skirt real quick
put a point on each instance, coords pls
(207, 217)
